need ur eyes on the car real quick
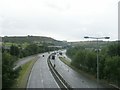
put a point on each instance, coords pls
(60, 53)
(43, 55)
(53, 57)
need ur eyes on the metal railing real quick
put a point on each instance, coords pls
(59, 77)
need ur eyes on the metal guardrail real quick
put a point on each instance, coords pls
(59, 77)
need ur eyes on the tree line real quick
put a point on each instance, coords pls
(10, 56)
(109, 61)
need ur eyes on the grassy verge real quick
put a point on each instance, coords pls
(65, 61)
(76, 69)
(21, 81)
(68, 63)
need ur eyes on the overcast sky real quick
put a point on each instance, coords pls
(69, 20)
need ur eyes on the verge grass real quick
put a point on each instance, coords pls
(87, 75)
(76, 69)
(21, 81)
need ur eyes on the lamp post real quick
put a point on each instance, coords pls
(97, 38)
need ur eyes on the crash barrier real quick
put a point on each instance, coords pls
(59, 77)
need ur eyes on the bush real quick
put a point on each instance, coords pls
(8, 75)
(109, 61)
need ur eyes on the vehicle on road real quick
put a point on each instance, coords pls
(60, 53)
(53, 57)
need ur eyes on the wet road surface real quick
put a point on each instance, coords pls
(75, 79)
(41, 76)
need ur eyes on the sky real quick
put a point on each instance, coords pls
(69, 20)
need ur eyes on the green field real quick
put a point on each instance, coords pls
(8, 44)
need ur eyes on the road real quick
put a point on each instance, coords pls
(23, 61)
(75, 79)
(41, 76)
(64, 54)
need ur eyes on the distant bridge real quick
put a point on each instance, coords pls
(55, 46)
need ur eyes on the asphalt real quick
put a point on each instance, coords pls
(41, 76)
(75, 79)
(22, 61)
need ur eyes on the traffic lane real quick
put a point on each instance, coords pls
(41, 76)
(68, 75)
(47, 76)
(75, 79)
(25, 60)
(64, 55)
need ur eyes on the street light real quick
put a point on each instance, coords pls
(86, 37)
(97, 37)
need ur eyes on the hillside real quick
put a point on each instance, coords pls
(32, 39)
(90, 44)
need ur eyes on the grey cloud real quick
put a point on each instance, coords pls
(60, 5)
(68, 27)
(59, 23)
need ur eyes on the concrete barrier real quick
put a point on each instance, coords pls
(58, 76)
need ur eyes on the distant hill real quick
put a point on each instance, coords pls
(90, 44)
(32, 39)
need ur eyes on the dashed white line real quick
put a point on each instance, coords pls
(28, 83)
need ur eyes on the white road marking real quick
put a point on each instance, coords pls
(28, 83)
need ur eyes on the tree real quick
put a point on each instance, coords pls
(7, 71)
(109, 61)
(114, 49)
(14, 50)
(91, 61)
(112, 69)
(79, 60)
(31, 49)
